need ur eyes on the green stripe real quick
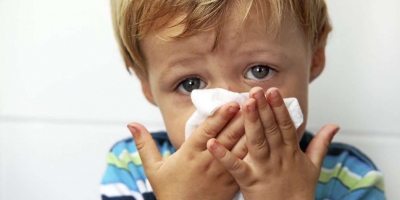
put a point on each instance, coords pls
(340, 174)
(114, 160)
(371, 180)
(126, 158)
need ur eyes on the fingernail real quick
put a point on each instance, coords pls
(274, 95)
(251, 107)
(215, 145)
(233, 109)
(133, 129)
(259, 95)
(336, 130)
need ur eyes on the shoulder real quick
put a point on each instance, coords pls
(124, 174)
(347, 173)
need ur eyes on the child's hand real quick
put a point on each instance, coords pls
(275, 167)
(192, 172)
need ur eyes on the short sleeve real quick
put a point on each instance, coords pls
(124, 178)
(349, 174)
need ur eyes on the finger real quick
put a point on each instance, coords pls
(240, 149)
(234, 165)
(232, 132)
(212, 126)
(256, 141)
(147, 148)
(267, 117)
(282, 118)
(319, 145)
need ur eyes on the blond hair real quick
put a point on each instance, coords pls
(133, 19)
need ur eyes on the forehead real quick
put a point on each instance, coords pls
(236, 34)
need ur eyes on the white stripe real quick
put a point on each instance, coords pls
(338, 166)
(134, 154)
(371, 173)
(122, 153)
(142, 187)
(352, 174)
(149, 188)
(331, 170)
(118, 190)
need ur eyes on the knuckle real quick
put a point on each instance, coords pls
(253, 118)
(244, 149)
(325, 144)
(233, 136)
(223, 115)
(262, 104)
(242, 152)
(235, 166)
(271, 129)
(278, 160)
(286, 124)
(140, 145)
(190, 157)
(210, 131)
(260, 144)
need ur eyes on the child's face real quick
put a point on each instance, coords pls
(244, 58)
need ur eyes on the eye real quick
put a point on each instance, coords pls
(190, 84)
(259, 72)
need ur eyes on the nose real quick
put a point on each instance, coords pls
(233, 86)
(227, 87)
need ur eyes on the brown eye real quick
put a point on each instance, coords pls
(259, 72)
(190, 84)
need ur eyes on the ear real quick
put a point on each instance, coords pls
(144, 82)
(318, 63)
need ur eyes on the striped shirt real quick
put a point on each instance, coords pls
(346, 172)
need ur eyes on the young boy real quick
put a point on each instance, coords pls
(273, 49)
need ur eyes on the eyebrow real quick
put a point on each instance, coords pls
(258, 50)
(182, 58)
(277, 56)
(175, 64)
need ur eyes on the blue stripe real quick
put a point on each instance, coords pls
(160, 138)
(355, 164)
(126, 144)
(334, 189)
(352, 163)
(347, 155)
(114, 175)
(370, 193)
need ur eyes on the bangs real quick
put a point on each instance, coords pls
(134, 19)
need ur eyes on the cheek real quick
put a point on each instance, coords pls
(175, 118)
(296, 85)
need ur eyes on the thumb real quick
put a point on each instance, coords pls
(319, 145)
(147, 148)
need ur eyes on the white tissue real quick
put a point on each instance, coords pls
(207, 101)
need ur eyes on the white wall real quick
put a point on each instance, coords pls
(65, 96)
(360, 87)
